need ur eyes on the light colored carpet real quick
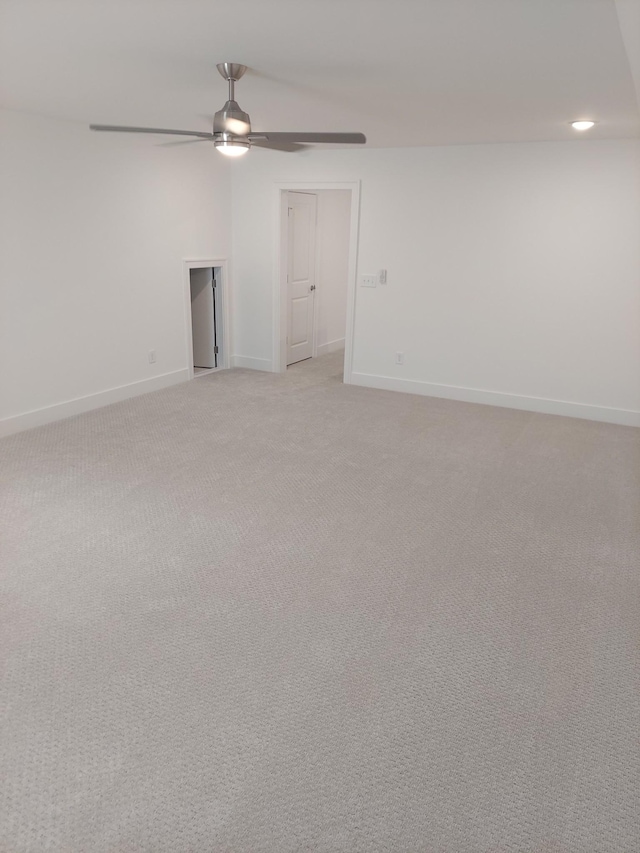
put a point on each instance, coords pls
(263, 613)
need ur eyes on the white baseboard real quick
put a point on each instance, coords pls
(331, 346)
(38, 417)
(250, 363)
(495, 398)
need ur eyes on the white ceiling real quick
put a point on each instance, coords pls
(405, 72)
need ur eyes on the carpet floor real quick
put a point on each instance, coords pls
(277, 613)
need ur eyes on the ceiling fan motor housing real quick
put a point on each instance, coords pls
(231, 119)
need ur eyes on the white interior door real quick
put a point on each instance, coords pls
(203, 325)
(301, 274)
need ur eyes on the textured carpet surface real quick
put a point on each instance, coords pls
(277, 613)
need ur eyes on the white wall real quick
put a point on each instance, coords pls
(94, 228)
(332, 246)
(514, 270)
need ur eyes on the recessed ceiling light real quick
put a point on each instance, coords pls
(582, 125)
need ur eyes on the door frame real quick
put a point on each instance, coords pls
(222, 323)
(280, 290)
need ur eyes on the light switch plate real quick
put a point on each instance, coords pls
(368, 280)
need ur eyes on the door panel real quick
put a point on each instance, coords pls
(299, 320)
(303, 227)
(301, 266)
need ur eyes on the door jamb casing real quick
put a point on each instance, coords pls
(189, 264)
(279, 326)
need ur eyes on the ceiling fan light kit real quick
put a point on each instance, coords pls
(232, 134)
(230, 145)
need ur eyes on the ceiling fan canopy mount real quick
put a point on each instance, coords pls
(231, 70)
(232, 134)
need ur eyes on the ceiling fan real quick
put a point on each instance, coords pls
(232, 134)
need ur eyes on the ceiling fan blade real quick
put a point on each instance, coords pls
(118, 129)
(276, 146)
(340, 138)
(183, 142)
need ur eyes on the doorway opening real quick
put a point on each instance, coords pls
(315, 287)
(317, 272)
(206, 320)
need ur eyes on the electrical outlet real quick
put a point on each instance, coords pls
(152, 356)
(399, 358)
(382, 276)
(368, 280)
